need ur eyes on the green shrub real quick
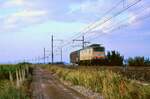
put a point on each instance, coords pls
(138, 61)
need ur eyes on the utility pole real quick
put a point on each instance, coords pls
(124, 3)
(61, 51)
(83, 41)
(38, 60)
(44, 55)
(52, 50)
(52, 53)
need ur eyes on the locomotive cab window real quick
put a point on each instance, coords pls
(99, 49)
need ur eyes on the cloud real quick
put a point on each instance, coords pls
(20, 13)
(84, 11)
(131, 17)
(30, 13)
(12, 3)
(89, 10)
(22, 18)
(91, 6)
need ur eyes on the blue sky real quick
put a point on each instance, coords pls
(27, 25)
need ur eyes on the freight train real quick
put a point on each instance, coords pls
(91, 55)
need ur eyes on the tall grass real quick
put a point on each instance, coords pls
(13, 73)
(111, 85)
(8, 91)
(12, 78)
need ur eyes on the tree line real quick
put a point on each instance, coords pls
(114, 58)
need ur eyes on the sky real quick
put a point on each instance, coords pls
(26, 27)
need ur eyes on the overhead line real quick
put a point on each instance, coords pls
(110, 10)
(123, 25)
(107, 20)
(112, 17)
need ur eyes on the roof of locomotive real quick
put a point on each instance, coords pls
(91, 46)
(94, 45)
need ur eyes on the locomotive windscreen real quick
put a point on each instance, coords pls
(102, 49)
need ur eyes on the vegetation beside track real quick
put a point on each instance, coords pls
(9, 91)
(110, 84)
(131, 72)
(15, 81)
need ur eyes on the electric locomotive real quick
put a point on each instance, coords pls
(90, 55)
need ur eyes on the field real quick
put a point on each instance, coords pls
(13, 81)
(135, 73)
(108, 82)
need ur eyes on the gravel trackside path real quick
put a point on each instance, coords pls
(46, 86)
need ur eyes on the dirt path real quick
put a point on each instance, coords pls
(45, 86)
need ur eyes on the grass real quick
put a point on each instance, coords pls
(14, 81)
(110, 84)
(10, 70)
(136, 73)
(9, 91)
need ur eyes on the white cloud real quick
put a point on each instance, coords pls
(86, 11)
(30, 13)
(90, 6)
(23, 13)
(12, 3)
(129, 17)
(17, 2)
(136, 18)
(23, 16)
(132, 18)
(32, 16)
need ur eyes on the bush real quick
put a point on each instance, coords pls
(147, 62)
(114, 59)
(138, 61)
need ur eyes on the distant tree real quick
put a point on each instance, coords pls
(147, 62)
(24, 63)
(57, 63)
(114, 58)
(137, 61)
